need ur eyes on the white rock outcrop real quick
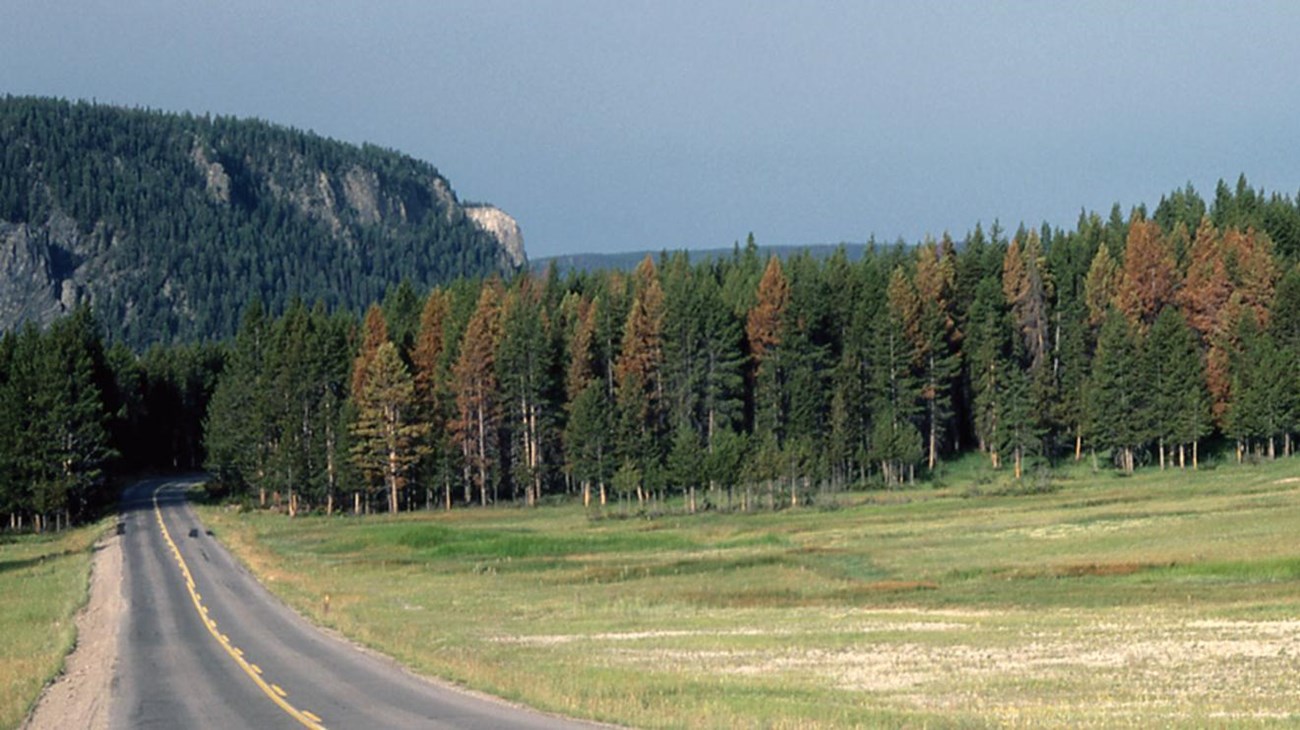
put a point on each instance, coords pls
(503, 227)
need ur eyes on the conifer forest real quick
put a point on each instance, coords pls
(1152, 339)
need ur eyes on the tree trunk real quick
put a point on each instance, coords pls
(934, 426)
(1195, 462)
(390, 481)
(481, 420)
(1161, 446)
(1078, 443)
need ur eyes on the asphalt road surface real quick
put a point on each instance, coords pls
(204, 645)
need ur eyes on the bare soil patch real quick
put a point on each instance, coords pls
(81, 696)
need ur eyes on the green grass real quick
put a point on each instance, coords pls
(43, 583)
(1168, 599)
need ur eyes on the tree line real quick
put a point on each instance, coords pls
(1137, 340)
(73, 413)
(1130, 341)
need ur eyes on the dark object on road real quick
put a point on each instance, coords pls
(194, 532)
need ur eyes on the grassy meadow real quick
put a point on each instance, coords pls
(43, 583)
(1165, 599)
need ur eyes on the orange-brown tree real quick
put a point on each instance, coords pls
(1149, 277)
(474, 383)
(764, 328)
(374, 332)
(637, 372)
(430, 380)
(937, 338)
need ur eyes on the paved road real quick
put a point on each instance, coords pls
(204, 645)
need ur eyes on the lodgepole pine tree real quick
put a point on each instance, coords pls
(639, 374)
(240, 430)
(1149, 276)
(1180, 405)
(764, 327)
(1284, 324)
(1100, 285)
(895, 440)
(374, 333)
(524, 363)
(1027, 289)
(937, 341)
(388, 434)
(587, 432)
(1119, 400)
(474, 383)
(429, 377)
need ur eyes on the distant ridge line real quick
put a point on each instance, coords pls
(627, 260)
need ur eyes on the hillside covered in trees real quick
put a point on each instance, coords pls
(170, 224)
(1134, 340)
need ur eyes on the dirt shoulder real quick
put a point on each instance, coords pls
(81, 696)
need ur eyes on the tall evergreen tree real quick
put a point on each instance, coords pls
(388, 436)
(430, 374)
(1119, 411)
(240, 430)
(474, 383)
(1180, 407)
(524, 367)
(895, 439)
(639, 373)
(1100, 286)
(764, 327)
(936, 342)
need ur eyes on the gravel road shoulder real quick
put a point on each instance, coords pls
(81, 696)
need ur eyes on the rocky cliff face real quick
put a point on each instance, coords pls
(503, 228)
(168, 225)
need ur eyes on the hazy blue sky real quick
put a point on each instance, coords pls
(614, 125)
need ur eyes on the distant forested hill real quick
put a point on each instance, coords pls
(627, 261)
(169, 224)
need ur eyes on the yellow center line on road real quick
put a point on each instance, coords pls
(275, 692)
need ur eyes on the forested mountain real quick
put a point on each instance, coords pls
(170, 224)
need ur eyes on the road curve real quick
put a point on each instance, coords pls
(203, 644)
